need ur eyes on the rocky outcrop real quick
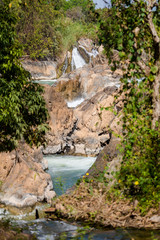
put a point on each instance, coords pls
(23, 180)
(84, 130)
(41, 69)
(87, 81)
(93, 128)
(51, 69)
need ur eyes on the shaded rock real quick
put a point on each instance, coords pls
(109, 154)
(69, 89)
(86, 56)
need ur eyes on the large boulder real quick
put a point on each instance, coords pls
(22, 176)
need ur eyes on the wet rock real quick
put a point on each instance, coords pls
(86, 56)
(69, 89)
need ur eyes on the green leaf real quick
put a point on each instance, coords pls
(154, 69)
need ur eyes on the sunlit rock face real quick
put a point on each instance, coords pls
(83, 130)
(23, 179)
(61, 121)
(87, 81)
(41, 69)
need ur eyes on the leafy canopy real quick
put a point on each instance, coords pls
(23, 113)
(132, 30)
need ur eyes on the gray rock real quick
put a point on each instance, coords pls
(80, 149)
(14, 200)
(41, 69)
(44, 164)
(155, 219)
(52, 149)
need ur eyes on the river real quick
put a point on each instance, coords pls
(64, 171)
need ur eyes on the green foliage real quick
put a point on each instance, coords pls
(36, 28)
(47, 28)
(127, 30)
(71, 31)
(23, 113)
(87, 6)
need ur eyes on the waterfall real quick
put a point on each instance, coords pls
(94, 53)
(77, 60)
(75, 103)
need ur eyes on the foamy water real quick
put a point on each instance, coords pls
(77, 60)
(75, 103)
(66, 170)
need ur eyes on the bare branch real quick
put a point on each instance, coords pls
(150, 21)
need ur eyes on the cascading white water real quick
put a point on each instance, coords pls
(66, 170)
(94, 53)
(77, 60)
(75, 103)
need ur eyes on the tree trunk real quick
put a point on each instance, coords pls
(156, 100)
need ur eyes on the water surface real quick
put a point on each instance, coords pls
(66, 170)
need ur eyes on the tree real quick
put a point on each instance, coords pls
(23, 113)
(87, 6)
(36, 28)
(132, 28)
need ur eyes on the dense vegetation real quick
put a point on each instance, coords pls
(47, 28)
(133, 29)
(23, 114)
